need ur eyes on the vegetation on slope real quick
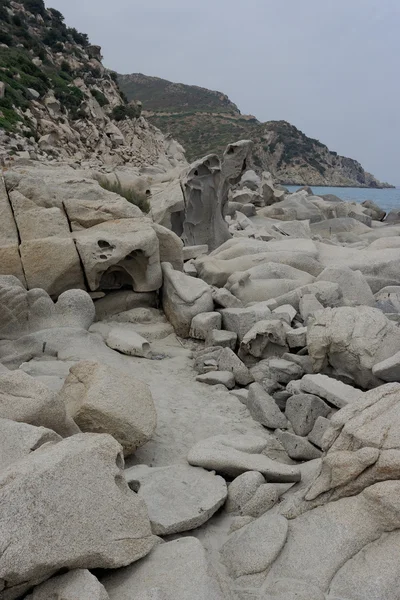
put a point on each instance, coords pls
(204, 122)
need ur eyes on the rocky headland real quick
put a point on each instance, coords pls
(205, 121)
(199, 372)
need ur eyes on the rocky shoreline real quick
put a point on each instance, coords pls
(201, 402)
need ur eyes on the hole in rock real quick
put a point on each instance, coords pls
(104, 244)
(134, 486)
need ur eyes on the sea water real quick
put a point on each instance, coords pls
(387, 199)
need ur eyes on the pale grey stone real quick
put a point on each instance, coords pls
(308, 306)
(303, 410)
(284, 371)
(297, 447)
(255, 547)
(84, 514)
(297, 338)
(352, 340)
(354, 286)
(222, 338)
(286, 309)
(176, 570)
(170, 246)
(178, 497)
(78, 584)
(228, 361)
(266, 338)
(264, 409)
(121, 301)
(242, 489)
(194, 251)
(102, 399)
(128, 342)
(241, 395)
(232, 455)
(26, 400)
(203, 323)
(389, 369)
(318, 431)
(183, 298)
(224, 298)
(117, 252)
(241, 320)
(225, 378)
(18, 440)
(333, 391)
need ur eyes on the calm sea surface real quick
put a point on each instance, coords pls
(387, 199)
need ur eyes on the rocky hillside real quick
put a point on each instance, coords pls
(58, 101)
(205, 122)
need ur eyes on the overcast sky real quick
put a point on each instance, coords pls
(330, 67)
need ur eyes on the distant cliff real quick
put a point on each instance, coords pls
(205, 121)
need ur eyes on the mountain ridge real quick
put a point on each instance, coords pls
(205, 121)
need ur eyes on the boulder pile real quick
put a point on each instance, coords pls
(239, 348)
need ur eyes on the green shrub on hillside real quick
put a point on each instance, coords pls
(123, 111)
(36, 7)
(139, 199)
(100, 97)
(79, 38)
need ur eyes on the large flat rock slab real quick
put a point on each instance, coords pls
(178, 498)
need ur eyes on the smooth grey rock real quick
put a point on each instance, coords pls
(389, 369)
(101, 399)
(284, 371)
(194, 251)
(249, 495)
(18, 440)
(297, 338)
(176, 570)
(286, 309)
(303, 410)
(80, 493)
(265, 336)
(255, 547)
(297, 447)
(228, 361)
(264, 409)
(224, 298)
(353, 285)
(308, 306)
(26, 400)
(78, 584)
(225, 339)
(333, 391)
(128, 342)
(241, 395)
(357, 526)
(203, 324)
(318, 431)
(120, 251)
(232, 455)
(183, 298)
(242, 489)
(170, 246)
(121, 301)
(225, 378)
(241, 320)
(352, 340)
(179, 497)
